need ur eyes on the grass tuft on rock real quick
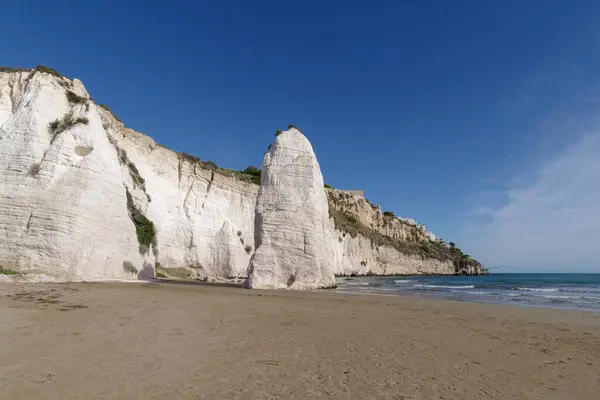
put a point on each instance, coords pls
(75, 98)
(58, 126)
(6, 271)
(110, 111)
(11, 69)
(48, 70)
(134, 173)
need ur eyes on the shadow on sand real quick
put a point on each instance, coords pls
(195, 282)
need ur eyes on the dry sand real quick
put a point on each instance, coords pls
(174, 341)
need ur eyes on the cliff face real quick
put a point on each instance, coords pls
(370, 242)
(90, 199)
(61, 189)
(204, 219)
(82, 197)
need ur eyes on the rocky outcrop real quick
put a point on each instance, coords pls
(60, 183)
(370, 242)
(293, 236)
(82, 197)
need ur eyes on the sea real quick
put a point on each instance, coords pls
(564, 291)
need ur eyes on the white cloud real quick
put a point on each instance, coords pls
(551, 224)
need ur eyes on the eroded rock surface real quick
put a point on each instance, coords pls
(82, 197)
(293, 235)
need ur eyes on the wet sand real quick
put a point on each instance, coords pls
(174, 341)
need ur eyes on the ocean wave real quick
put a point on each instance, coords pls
(402, 280)
(355, 284)
(444, 287)
(526, 289)
(574, 298)
(558, 297)
(581, 290)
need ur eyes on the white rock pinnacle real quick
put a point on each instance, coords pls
(293, 235)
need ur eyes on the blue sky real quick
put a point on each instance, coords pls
(476, 118)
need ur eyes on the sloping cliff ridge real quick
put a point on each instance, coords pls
(82, 197)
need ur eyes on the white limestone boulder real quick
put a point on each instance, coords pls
(293, 235)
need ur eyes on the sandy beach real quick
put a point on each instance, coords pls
(176, 341)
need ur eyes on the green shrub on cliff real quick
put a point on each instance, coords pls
(210, 165)
(254, 173)
(6, 271)
(75, 98)
(195, 160)
(11, 69)
(51, 71)
(110, 111)
(60, 125)
(135, 176)
(144, 228)
(188, 157)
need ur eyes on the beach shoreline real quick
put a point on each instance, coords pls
(160, 339)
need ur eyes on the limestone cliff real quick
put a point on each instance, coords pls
(374, 243)
(82, 197)
(294, 238)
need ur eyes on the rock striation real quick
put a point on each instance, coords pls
(293, 235)
(82, 197)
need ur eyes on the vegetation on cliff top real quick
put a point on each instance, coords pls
(51, 71)
(425, 249)
(195, 160)
(255, 173)
(107, 108)
(11, 69)
(250, 174)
